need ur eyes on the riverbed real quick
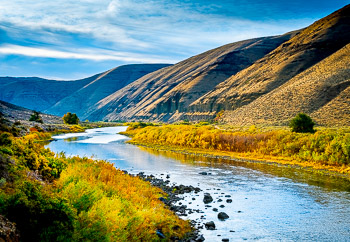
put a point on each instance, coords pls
(264, 202)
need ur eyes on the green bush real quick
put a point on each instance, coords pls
(39, 215)
(36, 117)
(70, 118)
(302, 123)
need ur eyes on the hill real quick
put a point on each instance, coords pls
(14, 113)
(167, 93)
(37, 93)
(312, 45)
(322, 91)
(102, 86)
(59, 97)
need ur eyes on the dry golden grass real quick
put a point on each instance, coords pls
(322, 91)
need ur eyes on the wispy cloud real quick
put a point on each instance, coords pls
(143, 30)
(82, 54)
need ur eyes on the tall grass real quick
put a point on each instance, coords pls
(331, 147)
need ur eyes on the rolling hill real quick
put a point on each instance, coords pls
(313, 44)
(14, 113)
(59, 97)
(102, 86)
(37, 93)
(167, 93)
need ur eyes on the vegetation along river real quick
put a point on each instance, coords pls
(264, 202)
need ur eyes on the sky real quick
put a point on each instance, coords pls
(73, 39)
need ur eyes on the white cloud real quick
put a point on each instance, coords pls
(82, 54)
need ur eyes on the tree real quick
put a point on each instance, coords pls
(302, 123)
(36, 117)
(70, 118)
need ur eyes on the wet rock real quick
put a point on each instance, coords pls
(210, 225)
(225, 240)
(222, 206)
(215, 209)
(239, 211)
(207, 198)
(227, 195)
(167, 176)
(203, 173)
(219, 200)
(200, 238)
(229, 200)
(223, 216)
(162, 199)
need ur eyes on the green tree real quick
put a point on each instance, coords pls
(70, 118)
(302, 123)
(36, 117)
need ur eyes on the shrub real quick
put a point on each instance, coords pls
(70, 118)
(302, 123)
(36, 117)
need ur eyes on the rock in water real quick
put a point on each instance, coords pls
(207, 198)
(210, 225)
(222, 216)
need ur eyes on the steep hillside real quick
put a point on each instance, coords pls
(167, 93)
(312, 45)
(322, 91)
(37, 93)
(102, 86)
(14, 112)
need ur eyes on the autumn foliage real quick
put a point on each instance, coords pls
(326, 147)
(51, 197)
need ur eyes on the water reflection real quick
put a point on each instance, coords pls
(295, 173)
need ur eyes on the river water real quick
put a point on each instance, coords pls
(269, 203)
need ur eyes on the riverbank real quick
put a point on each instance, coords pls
(53, 197)
(326, 151)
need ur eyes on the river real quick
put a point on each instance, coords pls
(269, 203)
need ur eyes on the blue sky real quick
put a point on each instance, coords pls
(71, 39)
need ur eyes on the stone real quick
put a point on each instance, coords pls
(223, 216)
(207, 198)
(210, 225)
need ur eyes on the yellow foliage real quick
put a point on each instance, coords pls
(330, 147)
(127, 208)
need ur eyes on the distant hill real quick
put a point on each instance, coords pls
(59, 97)
(102, 86)
(167, 93)
(37, 93)
(14, 113)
